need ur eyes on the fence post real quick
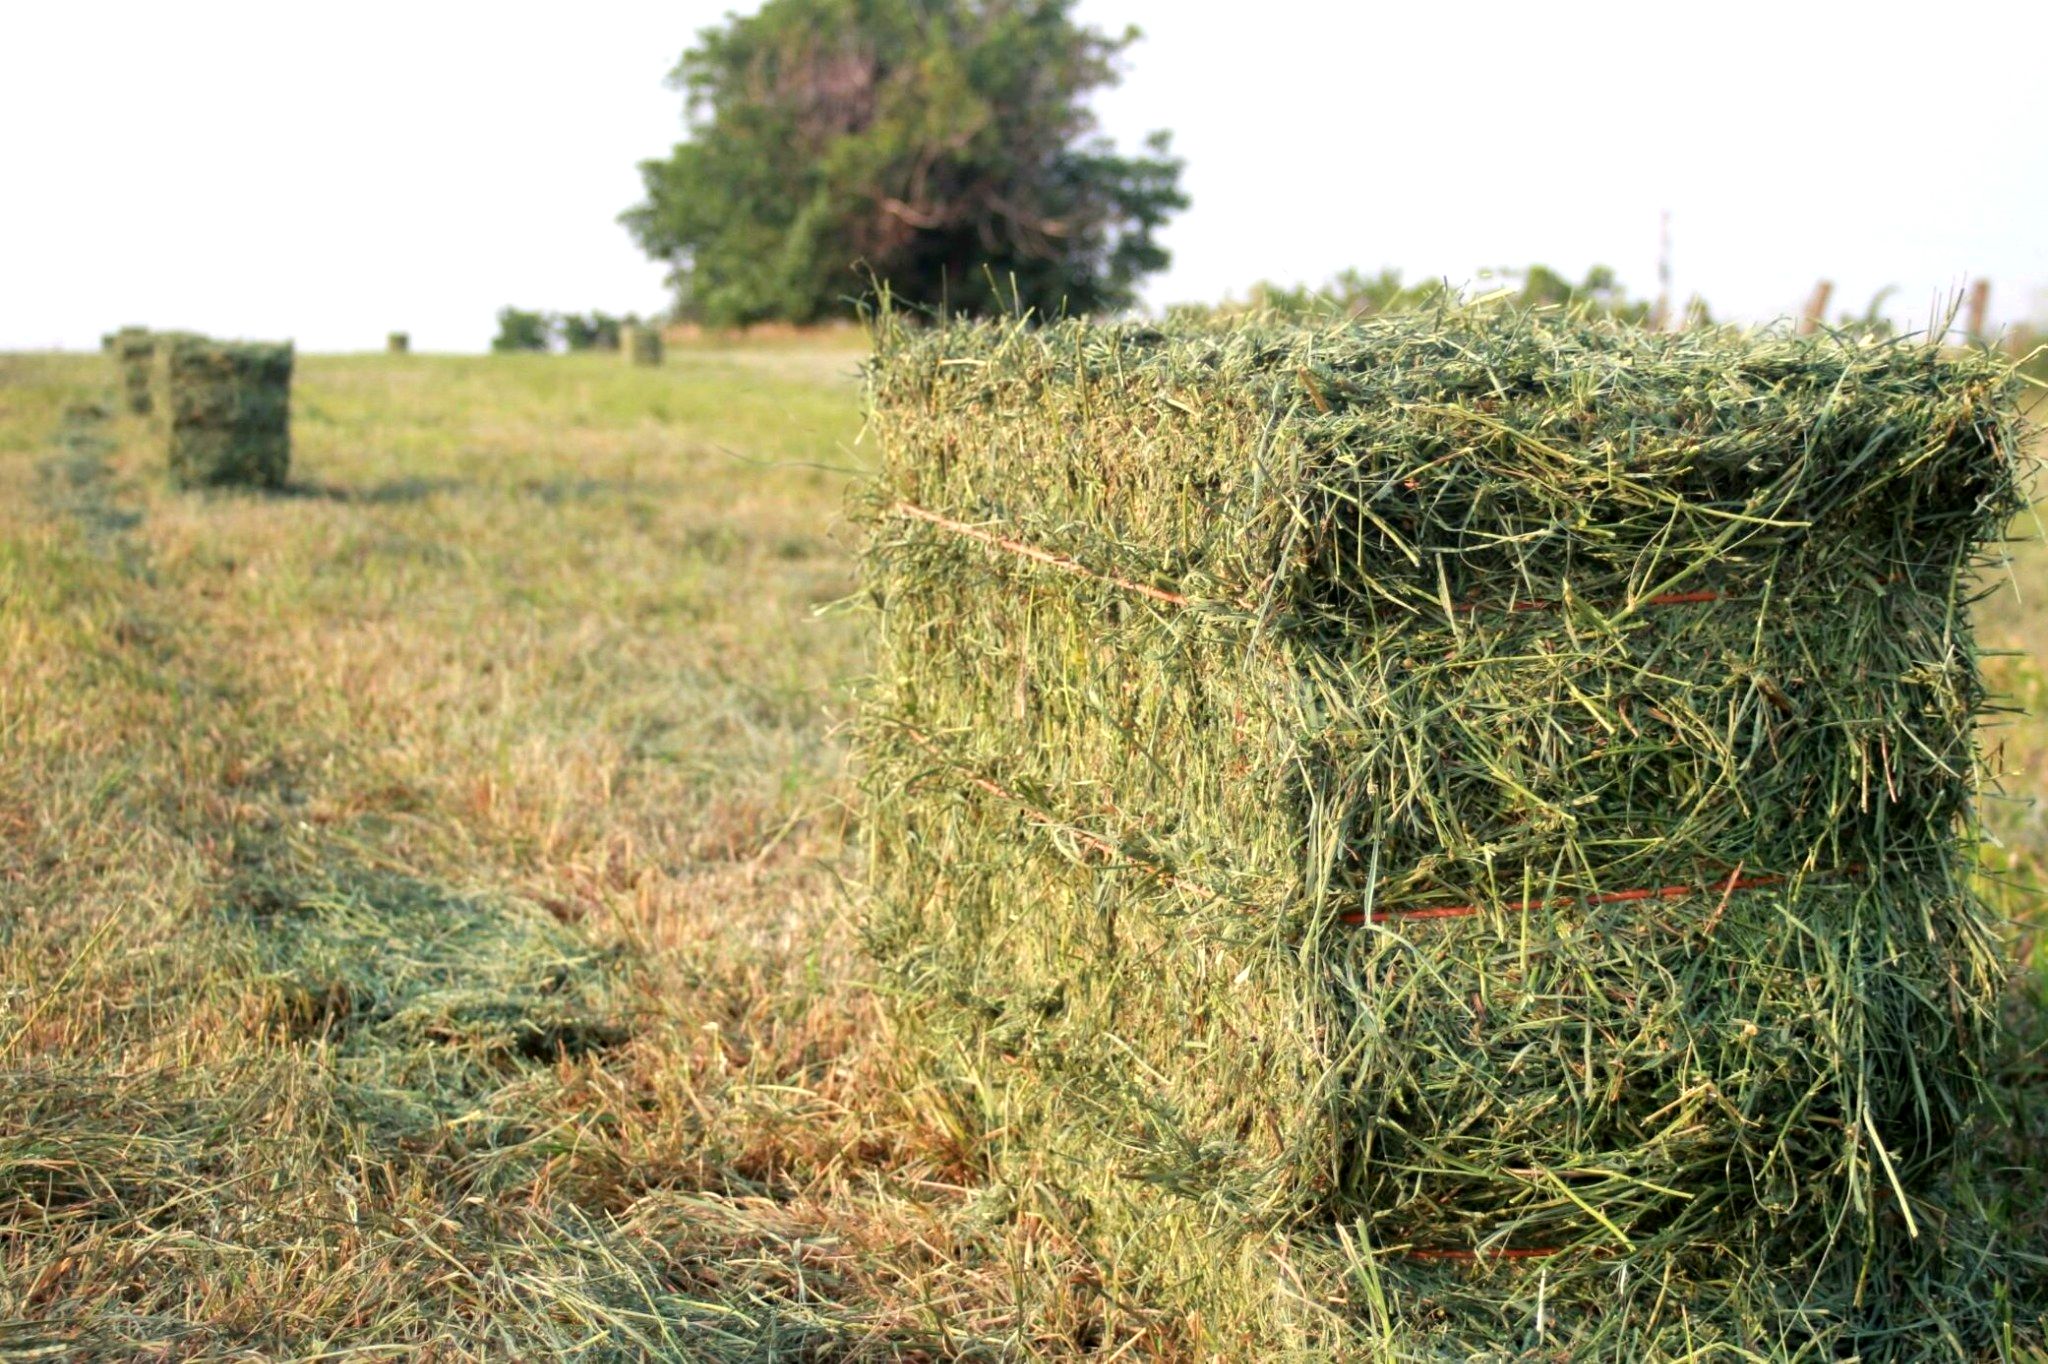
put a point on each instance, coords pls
(1816, 309)
(1978, 310)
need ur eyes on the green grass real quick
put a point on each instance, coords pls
(423, 930)
(2013, 619)
(421, 891)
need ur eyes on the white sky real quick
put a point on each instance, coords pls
(331, 172)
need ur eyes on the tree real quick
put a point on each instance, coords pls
(1351, 294)
(944, 146)
(1356, 294)
(519, 330)
(592, 331)
(1600, 292)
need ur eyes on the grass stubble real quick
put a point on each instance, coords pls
(420, 890)
(423, 930)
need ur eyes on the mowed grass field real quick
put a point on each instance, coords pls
(425, 913)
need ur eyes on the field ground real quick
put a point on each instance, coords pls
(422, 894)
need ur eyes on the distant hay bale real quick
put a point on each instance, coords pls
(226, 411)
(1448, 831)
(157, 372)
(642, 345)
(133, 351)
(398, 343)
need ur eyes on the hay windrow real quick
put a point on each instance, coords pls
(1471, 808)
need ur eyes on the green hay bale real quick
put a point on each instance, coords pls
(642, 345)
(1448, 834)
(398, 343)
(133, 351)
(161, 346)
(226, 411)
(157, 372)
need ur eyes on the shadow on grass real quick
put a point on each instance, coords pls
(405, 491)
(557, 491)
(393, 492)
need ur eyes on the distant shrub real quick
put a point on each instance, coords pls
(1599, 292)
(1354, 293)
(592, 331)
(520, 330)
(1871, 323)
(1350, 294)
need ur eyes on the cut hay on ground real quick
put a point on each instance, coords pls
(1449, 835)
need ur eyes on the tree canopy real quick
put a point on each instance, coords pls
(944, 147)
(522, 330)
(1353, 293)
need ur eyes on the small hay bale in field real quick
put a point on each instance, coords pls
(133, 351)
(642, 345)
(398, 343)
(226, 417)
(1449, 834)
(161, 344)
(157, 374)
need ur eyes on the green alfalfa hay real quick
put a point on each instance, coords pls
(161, 345)
(225, 411)
(398, 343)
(1453, 833)
(642, 345)
(379, 962)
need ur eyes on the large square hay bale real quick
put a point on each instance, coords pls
(226, 411)
(157, 371)
(133, 351)
(642, 345)
(1449, 834)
